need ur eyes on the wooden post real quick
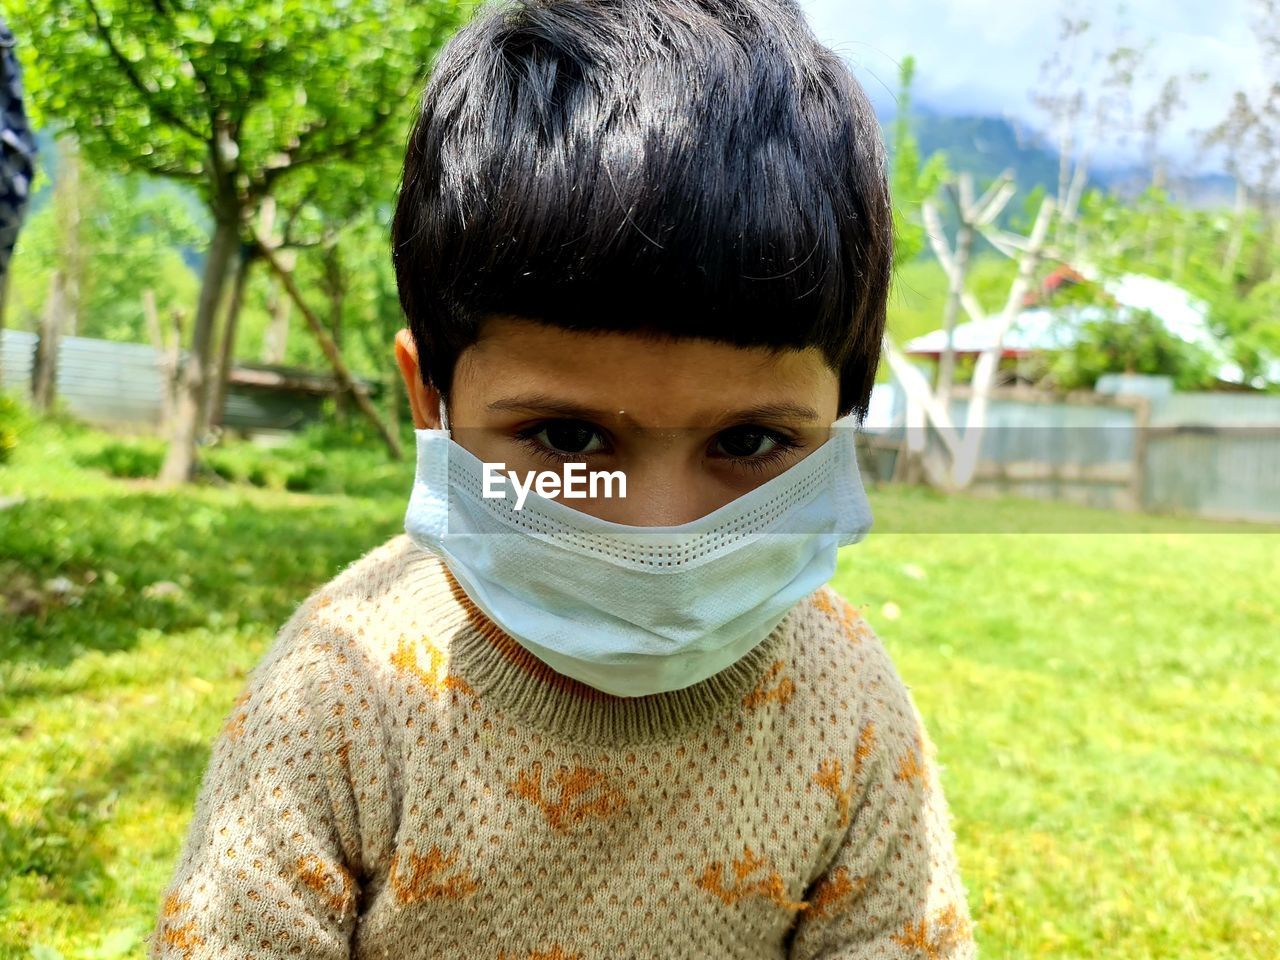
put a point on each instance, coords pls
(44, 378)
(1141, 424)
(227, 354)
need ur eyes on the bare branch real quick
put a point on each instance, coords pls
(987, 213)
(937, 236)
(1006, 178)
(984, 371)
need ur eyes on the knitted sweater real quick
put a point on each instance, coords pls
(400, 778)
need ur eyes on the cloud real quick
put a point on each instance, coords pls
(984, 56)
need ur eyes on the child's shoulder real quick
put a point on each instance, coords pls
(843, 661)
(367, 577)
(392, 591)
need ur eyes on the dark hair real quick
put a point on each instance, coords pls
(689, 168)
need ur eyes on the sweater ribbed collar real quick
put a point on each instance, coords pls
(503, 672)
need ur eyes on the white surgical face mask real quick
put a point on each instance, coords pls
(636, 610)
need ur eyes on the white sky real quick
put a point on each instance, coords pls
(984, 56)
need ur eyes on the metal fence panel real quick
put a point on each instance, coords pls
(1225, 473)
(17, 355)
(111, 383)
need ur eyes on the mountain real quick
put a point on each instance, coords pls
(988, 145)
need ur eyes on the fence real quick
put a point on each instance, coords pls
(118, 384)
(1214, 455)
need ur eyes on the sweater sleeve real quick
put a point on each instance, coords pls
(892, 890)
(266, 869)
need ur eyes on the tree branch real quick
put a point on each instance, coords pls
(341, 149)
(149, 95)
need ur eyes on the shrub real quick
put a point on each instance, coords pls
(15, 418)
(126, 458)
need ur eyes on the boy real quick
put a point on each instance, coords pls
(652, 237)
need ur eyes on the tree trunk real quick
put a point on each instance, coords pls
(193, 394)
(958, 275)
(984, 372)
(66, 201)
(227, 357)
(163, 358)
(278, 306)
(336, 288)
(1236, 242)
(44, 378)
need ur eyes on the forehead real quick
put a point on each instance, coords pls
(668, 381)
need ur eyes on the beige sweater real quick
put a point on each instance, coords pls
(400, 779)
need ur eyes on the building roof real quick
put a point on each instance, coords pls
(1055, 328)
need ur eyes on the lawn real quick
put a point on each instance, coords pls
(1104, 704)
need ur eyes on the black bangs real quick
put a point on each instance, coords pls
(695, 169)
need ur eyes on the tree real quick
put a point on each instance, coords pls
(914, 184)
(1157, 236)
(62, 308)
(132, 233)
(1249, 136)
(911, 181)
(974, 215)
(231, 98)
(1124, 341)
(318, 212)
(1085, 91)
(952, 466)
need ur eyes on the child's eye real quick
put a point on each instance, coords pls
(754, 447)
(561, 439)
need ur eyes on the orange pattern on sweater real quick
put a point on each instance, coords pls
(848, 616)
(833, 891)
(332, 881)
(770, 885)
(771, 687)
(555, 953)
(401, 777)
(435, 676)
(830, 777)
(579, 793)
(935, 937)
(174, 935)
(424, 879)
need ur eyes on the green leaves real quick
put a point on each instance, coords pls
(910, 180)
(1222, 257)
(1135, 342)
(151, 87)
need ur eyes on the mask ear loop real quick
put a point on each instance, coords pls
(444, 419)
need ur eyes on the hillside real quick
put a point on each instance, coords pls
(988, 145)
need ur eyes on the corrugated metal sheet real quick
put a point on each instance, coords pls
(1226, 473)
(1215, 455)
(105, 382)
(1218, 409)
(17, 354)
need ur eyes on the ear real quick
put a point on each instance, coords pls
(424, 399)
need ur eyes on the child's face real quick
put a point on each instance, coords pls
(683, 419)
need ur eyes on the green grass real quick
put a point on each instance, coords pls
(1104, 704)
(1105, 709)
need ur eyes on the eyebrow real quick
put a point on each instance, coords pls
(544, 403)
